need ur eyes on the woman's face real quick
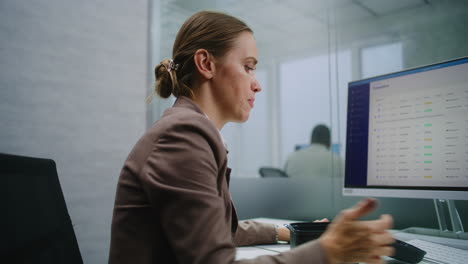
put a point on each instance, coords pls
(234, 81)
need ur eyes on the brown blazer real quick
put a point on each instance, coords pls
(173, 203)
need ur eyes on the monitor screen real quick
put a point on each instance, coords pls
(407, 133)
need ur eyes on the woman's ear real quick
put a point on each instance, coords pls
(204, 63)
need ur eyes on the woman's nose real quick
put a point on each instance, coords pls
(256, 86)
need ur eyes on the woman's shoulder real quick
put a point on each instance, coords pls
(182, 129)
(180, 119)
(185, 113)
(181, 124)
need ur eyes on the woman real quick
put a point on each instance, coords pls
(173, 203)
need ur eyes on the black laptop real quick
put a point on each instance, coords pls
(35, 224)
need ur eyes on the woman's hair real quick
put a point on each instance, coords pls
(213, 31)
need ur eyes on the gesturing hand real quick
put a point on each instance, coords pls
(350, 240)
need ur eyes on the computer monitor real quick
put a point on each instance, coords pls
(407, 133)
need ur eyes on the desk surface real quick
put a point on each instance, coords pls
(259, 250)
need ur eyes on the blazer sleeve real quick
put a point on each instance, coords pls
(180, 180)
(254, 233)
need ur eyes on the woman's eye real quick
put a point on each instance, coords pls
(249, 69)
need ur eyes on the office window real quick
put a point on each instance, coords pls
(381, 59)
(257, 142)
(305, 102)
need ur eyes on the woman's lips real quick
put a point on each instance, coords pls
(251, 102)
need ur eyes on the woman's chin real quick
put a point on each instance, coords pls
(245, 117)
(241, 119)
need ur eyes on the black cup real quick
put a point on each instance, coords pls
(307, 231)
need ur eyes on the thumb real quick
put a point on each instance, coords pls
(362, 208)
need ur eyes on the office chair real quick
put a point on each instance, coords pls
(38, 228)
(271, 172)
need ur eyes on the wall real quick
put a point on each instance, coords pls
(73, 79)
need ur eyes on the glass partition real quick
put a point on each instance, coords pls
(389, 36)
(308, 52)
(294, 71)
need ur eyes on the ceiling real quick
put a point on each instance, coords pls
(298, 24)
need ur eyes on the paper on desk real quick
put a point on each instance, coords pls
(276, 248)
(252, 252)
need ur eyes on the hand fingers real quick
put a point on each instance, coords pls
(373, 260)
(383, 239)
(383, 251)
(385, 222)
(375, 232)
(386, 251)
(370, 250)
(360, 209)
(373, 255)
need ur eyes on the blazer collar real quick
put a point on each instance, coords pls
(186, 102)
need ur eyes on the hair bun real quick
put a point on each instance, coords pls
(214, 31)
(163, 79)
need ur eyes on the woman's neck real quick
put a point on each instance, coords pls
(205, 100)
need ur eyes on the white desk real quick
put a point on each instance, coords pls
(252, 252)
(259, 250)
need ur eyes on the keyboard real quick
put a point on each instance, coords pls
(440, 254)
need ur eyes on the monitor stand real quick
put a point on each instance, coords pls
(442, 207)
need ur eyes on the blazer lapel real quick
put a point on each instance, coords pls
(228, 175)
(234, 220)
